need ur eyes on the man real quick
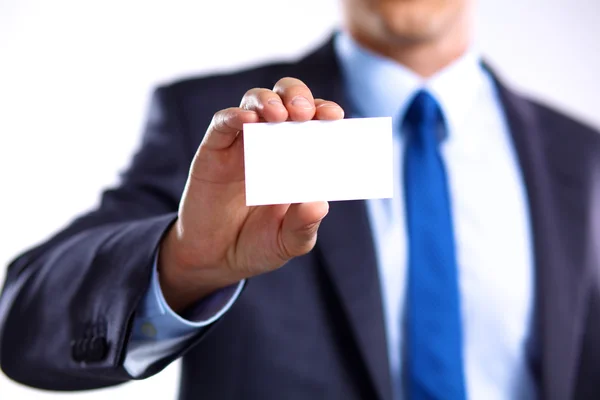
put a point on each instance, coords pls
(478, 279)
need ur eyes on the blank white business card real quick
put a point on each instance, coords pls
(297, 162)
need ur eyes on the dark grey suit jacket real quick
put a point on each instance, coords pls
(313, 329)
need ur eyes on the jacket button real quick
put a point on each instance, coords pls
(97, 349)
(78, 349)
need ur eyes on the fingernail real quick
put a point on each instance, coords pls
(276, 103)
(302, 102)
(329, 105)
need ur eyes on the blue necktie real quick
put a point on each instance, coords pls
(434, 361)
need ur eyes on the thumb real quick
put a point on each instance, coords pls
(298, 233)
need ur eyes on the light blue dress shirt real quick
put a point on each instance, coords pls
(491, 218)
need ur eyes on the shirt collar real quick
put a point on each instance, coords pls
(380, 87)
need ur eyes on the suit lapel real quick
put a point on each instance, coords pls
(558, 212)
(345, 245)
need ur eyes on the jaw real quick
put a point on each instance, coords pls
(424, 35)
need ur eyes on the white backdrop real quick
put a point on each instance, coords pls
(75, 78)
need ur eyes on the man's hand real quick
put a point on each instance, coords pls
(217, 240)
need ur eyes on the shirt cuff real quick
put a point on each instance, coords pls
(155, 320)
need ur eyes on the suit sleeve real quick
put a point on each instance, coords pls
(160, 332)
(67, 306)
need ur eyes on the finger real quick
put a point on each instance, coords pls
(328, 110)
(297, 98)
(298, 233)
(225, 126)
(266, 103)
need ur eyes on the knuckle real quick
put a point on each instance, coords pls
(217, 118)
(251, 92)
(289, 82)
(222, 118)
(250, 96)
(254, 98)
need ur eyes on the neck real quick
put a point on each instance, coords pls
(424, 57)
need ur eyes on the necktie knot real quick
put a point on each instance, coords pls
(423, 116)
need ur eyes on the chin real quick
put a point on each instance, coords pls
(417, 20)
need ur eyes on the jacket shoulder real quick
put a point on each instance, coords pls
(570, 128)
(226, 87)
(574, 146)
